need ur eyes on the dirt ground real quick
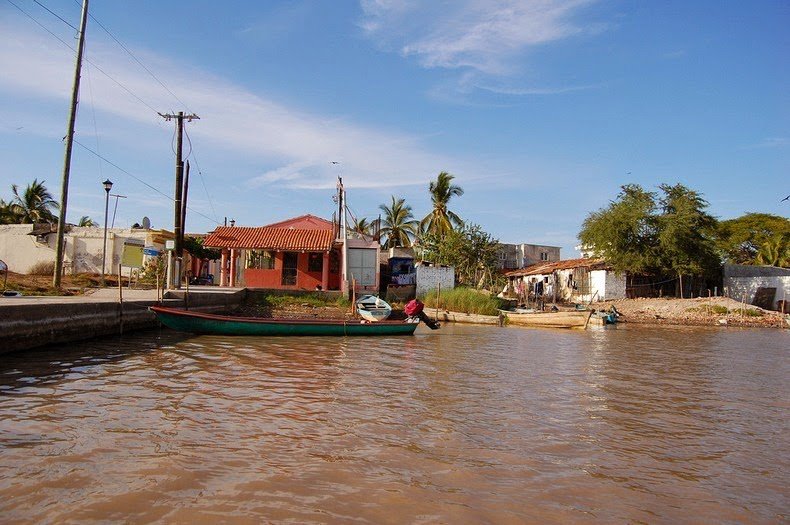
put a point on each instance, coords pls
(79, 284)
(716, 311)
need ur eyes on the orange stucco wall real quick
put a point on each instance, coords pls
(305, 280)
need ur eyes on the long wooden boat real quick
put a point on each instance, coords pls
(561, 319)
(202, 323)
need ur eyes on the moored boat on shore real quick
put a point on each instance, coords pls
(202, 323)
(559, 319)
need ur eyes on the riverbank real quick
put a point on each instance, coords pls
(715, 311)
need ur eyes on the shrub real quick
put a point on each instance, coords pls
(42, 268)
(748, 312)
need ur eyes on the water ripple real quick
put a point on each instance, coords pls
(466, 425)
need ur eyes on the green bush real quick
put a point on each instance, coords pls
(466, 300)
(748, 312)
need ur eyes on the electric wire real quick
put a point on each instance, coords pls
(56, 15)
(139, 62)
(138, 179)
(95, 127)
(119, 84)
(200, 172)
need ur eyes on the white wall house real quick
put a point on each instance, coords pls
(572, 280)
(741, 282)
(82, 250)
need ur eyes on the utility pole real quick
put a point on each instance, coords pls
(64, 188)
(178, 229)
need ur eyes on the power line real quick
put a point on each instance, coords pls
(56, 15)
(139, 62)
(100, 70)
(138, 179)
(200, 172)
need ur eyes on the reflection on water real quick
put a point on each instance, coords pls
(465, 425)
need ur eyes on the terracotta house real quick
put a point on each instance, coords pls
(303, 253)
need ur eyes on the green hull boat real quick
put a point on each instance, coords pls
(200, 323)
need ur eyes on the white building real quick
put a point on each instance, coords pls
(22, 247)
(572, 280)
(516, 256)
(763, 286)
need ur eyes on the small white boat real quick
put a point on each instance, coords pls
(371, 308)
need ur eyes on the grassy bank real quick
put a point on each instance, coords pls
(464, 300)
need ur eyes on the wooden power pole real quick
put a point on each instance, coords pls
(178, 216)
(64, 188)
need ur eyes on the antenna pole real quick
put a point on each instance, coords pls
(64, 188)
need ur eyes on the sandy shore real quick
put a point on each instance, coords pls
(716, 311)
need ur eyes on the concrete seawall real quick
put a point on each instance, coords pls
(30, 322)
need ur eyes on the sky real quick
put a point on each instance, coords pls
(541, 109)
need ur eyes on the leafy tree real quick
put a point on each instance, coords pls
(441, 219)
(685, 233)
(87, 221)
(625, 233)
(194, 246)
(398, 224)
(470, 250)
(742, 239)
(638, 234)
(35, 204)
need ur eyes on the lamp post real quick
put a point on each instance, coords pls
(107, 187)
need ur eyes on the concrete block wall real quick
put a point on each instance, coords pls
(744, 288)
(429, 277)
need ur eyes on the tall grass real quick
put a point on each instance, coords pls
(465, 300)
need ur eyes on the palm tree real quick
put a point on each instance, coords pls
(35, 204)
(9, 212)
(361, 226)
(441, 220)
(398, 223)
(87, 221)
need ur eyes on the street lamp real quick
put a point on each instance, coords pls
(107, 187)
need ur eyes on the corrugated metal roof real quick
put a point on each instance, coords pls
(268, 238)
(549, 267)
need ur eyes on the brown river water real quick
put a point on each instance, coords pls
(469, 424)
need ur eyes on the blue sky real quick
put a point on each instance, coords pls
(540, 108)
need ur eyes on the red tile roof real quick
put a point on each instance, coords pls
(549, 267)
(268, 238)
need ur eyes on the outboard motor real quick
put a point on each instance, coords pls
(414, 310)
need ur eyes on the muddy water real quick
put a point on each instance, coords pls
(465, 425)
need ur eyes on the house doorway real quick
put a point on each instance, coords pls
(290, 260)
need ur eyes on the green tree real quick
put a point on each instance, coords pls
(35, 204)
(775, 252)
(398, 224)
(441, 219)
(740, 240)
(685, 233)
(87, 221)
(470, 250)
(194, 245)
(625, 233)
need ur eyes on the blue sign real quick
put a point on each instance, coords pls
(149, 250)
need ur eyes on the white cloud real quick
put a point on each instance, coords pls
(233, 119)
(484, 35)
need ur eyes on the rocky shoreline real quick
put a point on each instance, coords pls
(714, 311)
